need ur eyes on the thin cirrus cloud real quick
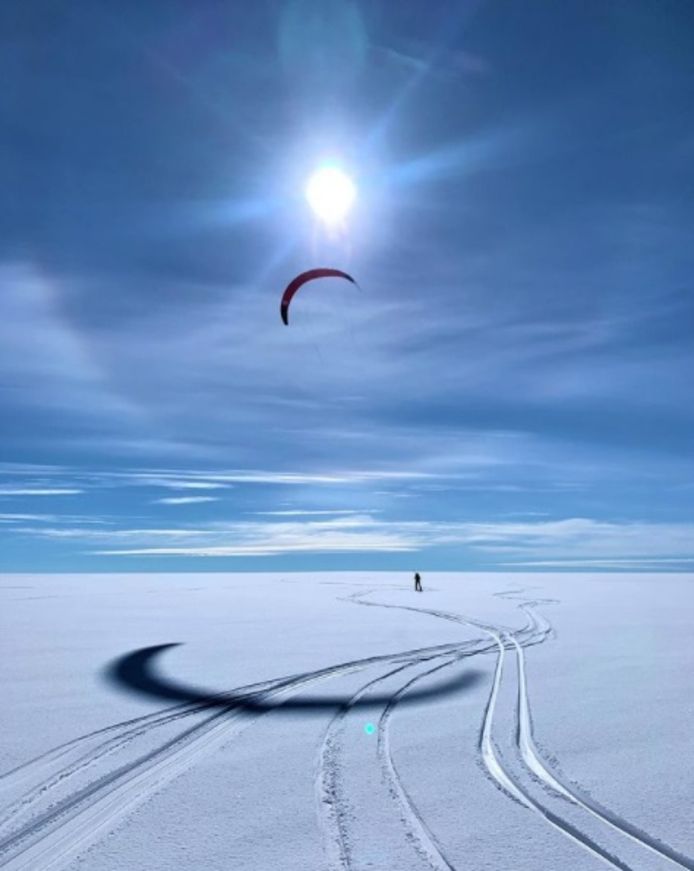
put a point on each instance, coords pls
(195, 479)
(40, 491)
(15, 517)
(570, 542)
(180, 483)
(211, 479)
(684, 563)
(59, 374)
(185, 500)
(308, 512)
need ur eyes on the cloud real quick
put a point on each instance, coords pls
(307, 512)
(645, 563)
(450, 63)
(78, 481)
(32, 469)
(39, 491)
(59, 373)
(185, 500)
(179, 484)
(333, 543)
(53, 518)
(568, 542)
(194, 479)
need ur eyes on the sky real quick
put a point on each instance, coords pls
(508, 388)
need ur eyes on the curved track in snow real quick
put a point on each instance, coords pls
(533, 761)
(332, 808)
(538, 629)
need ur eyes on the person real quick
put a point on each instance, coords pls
(417, 583)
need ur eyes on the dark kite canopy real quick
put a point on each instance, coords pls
(302, 279)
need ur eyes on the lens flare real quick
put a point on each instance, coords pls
(330, 193)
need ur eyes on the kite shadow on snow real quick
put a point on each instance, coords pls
(135, 672)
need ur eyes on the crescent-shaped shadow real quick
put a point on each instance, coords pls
(135, 672)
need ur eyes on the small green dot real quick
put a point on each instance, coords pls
(369, 728)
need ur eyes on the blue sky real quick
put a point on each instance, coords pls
(509, 388)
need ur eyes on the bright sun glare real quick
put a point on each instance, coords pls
(330, 194)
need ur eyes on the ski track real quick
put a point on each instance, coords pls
(127, 730)
(488, 751)
(66, 827)
(55, 835)
(514, 789)
(531, 759)
(417, 832)
(83, 762)
(537, 630)
(416, 828)
(332, 808)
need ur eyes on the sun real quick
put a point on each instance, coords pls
(330, 193)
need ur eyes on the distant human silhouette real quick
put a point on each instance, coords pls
(417, 583)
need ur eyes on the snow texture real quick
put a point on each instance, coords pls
(489, 722)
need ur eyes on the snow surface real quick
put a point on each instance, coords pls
(553, 727)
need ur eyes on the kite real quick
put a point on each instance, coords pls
(300, 280)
